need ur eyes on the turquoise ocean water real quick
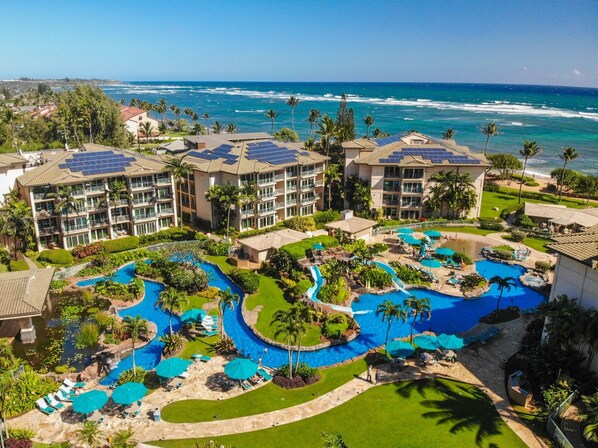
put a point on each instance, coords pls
(554, 117)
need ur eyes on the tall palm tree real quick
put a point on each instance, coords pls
(489, 130)
(332, 175)
(162, 108)
(147, 130)
(172, 301)
(502, 283)
(226, 197)
(189, 112)
(89, 434)
(590, 417)
(453, 189)
(117, 191)
(417, 308)
(231, 128)
(217, 128)
(568, 155)
(136, 327)
(180, 170)
(250, 193)
(448, 134)
(304, 315)
(285, 325)
(16, 221)
(391, 311)
(529, 150)
(293, 101)
(271, 115)
(197, 129)
(309, 144)
(312, 119)
(65, 202)
(207, 117)
(369, 121)
(226, 299)
(328, 130)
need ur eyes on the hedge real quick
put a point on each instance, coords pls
(491, 225)
(248, 281)
(56, 256)
(173, 234)
(297, 250)
(18, 265)
(121, 244)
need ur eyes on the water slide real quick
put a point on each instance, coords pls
(399, 285)
(312, 293)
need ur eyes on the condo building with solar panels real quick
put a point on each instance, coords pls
(289, 179)
(146, 207)
(399, 168)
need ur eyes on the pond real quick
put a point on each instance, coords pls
(471, 248)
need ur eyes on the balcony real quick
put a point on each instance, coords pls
(43, 231)
(291, 188)
(279, 205)
(143, 201)
(246, 213)
(121, 218)
(309, 199)
(266, 211)
(41, 196)
(95, 189)
(166, 212)
(163, 181)
(393, 203)
(268, 181)
(291, 201)
(396, 189)
(77, 228)
(308, 186)
(413, 190)
(411, 205)
(144, 217)
(308, 173)
(98, 222)
(98, 206)
(74, 212)
(165, 197)
(78, 193)
(142, 185)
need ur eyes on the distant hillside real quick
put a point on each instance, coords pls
(22, 85)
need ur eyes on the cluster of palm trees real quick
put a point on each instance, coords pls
(16, 222)
(453, 192)
(413, 308)
(91, 435)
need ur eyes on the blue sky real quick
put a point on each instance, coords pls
(502, 41)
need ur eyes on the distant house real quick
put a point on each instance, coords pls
(352, 226)
(12, 165)
(559, 217)
(134, 117)
(259, 248)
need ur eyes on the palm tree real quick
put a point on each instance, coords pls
(454, 189)
(502, 283)
(123, 439)
(89, 434)
(332, 175)
(369, 121)
(417, 308)
(189, 112)
(226, 299)
(250, 193)
(65, 202)
(271, 115)
(207, 117)
(197, 129)
(162, 108)
(448, 134)
(489, 130)
(180, 170)
(304, 315)
(590, 417)
(314, 116)
(530, 149)
(147, 130)
(117, 191)
(568, 155)
(391, 311)
(231, 128)
(293, 101)
(309, 144)
(328, 129)
(217, 127)
(16, 220)
(286, 326)
(226, 197)
(136, 327)
(172, 301)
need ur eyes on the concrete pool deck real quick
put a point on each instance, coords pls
(479, 367)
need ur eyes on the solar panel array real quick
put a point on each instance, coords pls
(97, 162)
(434, 155)
(268, 152)
(383, 141)
(221, 152)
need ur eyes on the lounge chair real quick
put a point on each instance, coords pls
(54, 402)
(63, 396)
(210, 333)
(246, 385)
(72, 385)
(67, 393)
(265, 375)
(184, 375)
(453, 281)
(202, 358)
(43, 406)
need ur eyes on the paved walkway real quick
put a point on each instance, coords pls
(479, 367)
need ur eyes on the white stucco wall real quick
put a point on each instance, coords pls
(7, 179)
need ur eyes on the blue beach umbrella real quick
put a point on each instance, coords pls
(128, 393)
(411, 240)
(193, 315)
(318, 246)
(433, 233)
(445, 251)
(240, 369)
(450, 342)
(431, 263)
(405, 231)
(426, 342)
(90, 401)
(400, 349)
(169, 368)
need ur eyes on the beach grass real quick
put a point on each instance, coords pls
(430, 413)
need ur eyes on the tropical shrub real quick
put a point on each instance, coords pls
(375, 277)
(335, 326)
(87, 250)
(304, 376)
(20, 433)
(301, 223)
(121, 244)
(491, 225)
(88, 335)
(326, 216)
(136, 376)
(461, 257)
(189, 280)
(494, 188)
(225, 346)
(517, 236)
(25, 390)
(335, 292)
(511, 209)
(543, 266)
(173, 234)
(502, 254)
(471, 281)
(248, 281)
(133, 290)
(522, 220)
(300, 288)
(409, 275)
(556, 393)
(56, 256)
(56, 286)
(172, 342)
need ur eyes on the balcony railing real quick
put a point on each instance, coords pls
(291, 187)
(392, 188)
(121, 218)
(145, 216)
(78, 193)
(164, 197)
(47, 230)
(279, 205)
(166, 211)
(73, 212)
(163, 181)
(144, 201)
(265, 211)
(291, 201)
(98, 222)
(75, 228)
(95, 189)
(40, 196)
(308, 173)
(136, 185)
(269, 180)
(245, 213)
(309, 199)
(413, 190)
(396, 203)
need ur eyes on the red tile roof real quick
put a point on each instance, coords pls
(128, 112)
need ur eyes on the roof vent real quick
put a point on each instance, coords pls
(346, 214)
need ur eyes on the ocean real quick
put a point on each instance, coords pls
(554, 117)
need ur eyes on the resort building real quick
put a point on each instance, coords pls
(12, 165)
(289, 181)
(134, 117)
(560, 218)
(399, 168)
(259, 248)
(143, 204)
(352, 226)
(575, 273)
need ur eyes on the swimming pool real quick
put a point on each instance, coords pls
(449, 315)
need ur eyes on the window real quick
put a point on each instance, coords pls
(409, 214)
(307, 210)
(412, 187)
(266, 207)
(95, 202)
(291, 185)
(390, 199)
(390, 212)
(99, 234)
(247, 223)
(266, 178)
(292, 171)
(291, 211)
(308, 184)
(165, 208)
(163, 178)
(291, 198)
(95, 186)
(392, 171)
(266, 221)
(308, 170)
(267, 192)
(247, 178)
(142, 181)
(97, 218)
(147, 212)
(75, 224)
(47, 240)
(165, 223)
(411, 201)
(146, 228)
(164, 193)
(413, 173)
(391, 185)
(76, 240)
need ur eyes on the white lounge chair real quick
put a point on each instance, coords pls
(43, 406)
(72, 385)
(54, 402)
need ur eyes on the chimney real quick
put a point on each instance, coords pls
(201, 145)
(346, 214)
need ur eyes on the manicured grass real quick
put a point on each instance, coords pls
(425, 413)
(465, 229)
(199, 345)
(264, 399)
(220, 261)
(535, 243)
(3, 268)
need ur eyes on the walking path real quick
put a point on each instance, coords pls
(480, 367)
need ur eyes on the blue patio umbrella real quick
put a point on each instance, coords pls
(431, 263)
(450, 342)
(128, 393)
(433, 233)
(445, 251)
(169, 368)
(240, 369)
(318, 246)
(426, 342)
(90, 401)
(193, 315)
(400, 349)
(411, 240)
(405, 231)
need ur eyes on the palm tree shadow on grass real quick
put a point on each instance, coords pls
(407, 388)
(466, 410)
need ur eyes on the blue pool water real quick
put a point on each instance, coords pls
(449, 315)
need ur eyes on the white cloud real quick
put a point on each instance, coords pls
(525, 69)
(576, 72)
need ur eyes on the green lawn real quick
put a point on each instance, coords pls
(535, 243)
(425, 413)
(465, 229)
(264, 399)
